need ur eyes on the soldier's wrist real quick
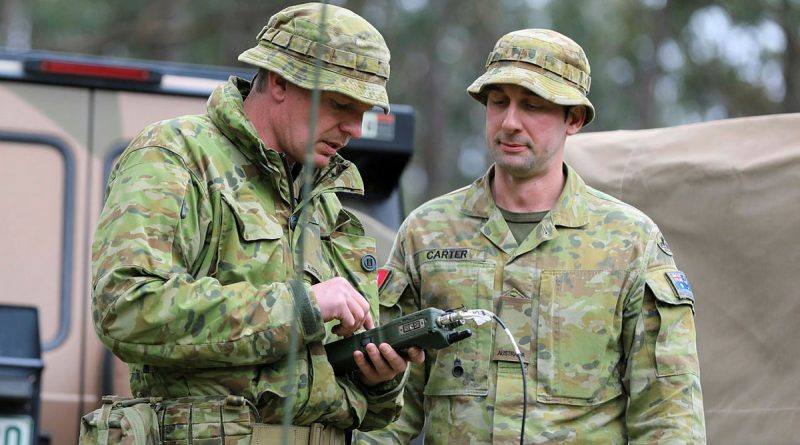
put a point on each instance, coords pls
(382, 389)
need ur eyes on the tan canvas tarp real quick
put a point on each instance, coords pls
(727, 196)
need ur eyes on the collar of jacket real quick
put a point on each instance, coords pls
(570, 209)
(226, 110)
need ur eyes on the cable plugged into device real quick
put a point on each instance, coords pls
(429, 328)
(480, 316)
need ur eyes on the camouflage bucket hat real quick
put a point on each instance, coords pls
(354, 56)
(543, 61)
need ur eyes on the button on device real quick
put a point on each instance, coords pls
(369, 263)
(365, 341)
(293, 222)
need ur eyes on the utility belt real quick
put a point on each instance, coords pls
(231, 420)
(316, 434)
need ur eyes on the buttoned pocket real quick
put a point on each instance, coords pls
(462, 368)
(253, 221)
(579, 328)
(353, 257)
(250, 244)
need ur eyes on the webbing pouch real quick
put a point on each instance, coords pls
(207, 420)
(121, 421)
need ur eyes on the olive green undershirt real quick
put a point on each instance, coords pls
(521, 224)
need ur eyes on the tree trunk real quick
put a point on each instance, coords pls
(791, 57)
(16, 25)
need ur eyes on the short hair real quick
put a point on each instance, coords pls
(260, 79)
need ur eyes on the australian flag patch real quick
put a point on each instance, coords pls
(681, 284)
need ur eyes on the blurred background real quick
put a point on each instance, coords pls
(655, 63)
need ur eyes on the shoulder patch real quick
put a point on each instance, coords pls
(383, 277)
(681, 284)
(662, 244)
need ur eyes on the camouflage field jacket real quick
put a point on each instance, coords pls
(595, 302)
(192, 262)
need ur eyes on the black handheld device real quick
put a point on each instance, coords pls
(430, 328)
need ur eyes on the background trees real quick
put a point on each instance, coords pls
(654, 62)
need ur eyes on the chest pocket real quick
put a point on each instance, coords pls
(315, 265)
(249, 243)
(346, 252)
(462, 368)
(353, 257)
(578, 332)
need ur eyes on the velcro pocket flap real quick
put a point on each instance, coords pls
(253, 221)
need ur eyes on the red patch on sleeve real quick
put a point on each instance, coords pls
(383, 274)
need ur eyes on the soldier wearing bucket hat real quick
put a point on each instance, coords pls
(353, 56)
(544, 62)
(194, 282)
(586, 284)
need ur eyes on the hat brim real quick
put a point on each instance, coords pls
(300, 73)
(552, 90)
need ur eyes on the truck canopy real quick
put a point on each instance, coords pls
(726, 194)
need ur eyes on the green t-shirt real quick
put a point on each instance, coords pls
(521, 224)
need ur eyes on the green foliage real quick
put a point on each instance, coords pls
(654, 62)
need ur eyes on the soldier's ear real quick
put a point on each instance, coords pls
(575, 119)
(276, 86)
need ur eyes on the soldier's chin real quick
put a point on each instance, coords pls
(321, 161)
(517, 167)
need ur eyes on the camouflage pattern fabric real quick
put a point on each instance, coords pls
(593, 298)
(192, 262)
(543, 61)
(122, 422)
(352, 53)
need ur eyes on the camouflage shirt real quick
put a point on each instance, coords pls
(192, 265)
(593, 297)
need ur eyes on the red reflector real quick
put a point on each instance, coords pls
(103, 71)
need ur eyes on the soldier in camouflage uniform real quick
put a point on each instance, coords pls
(585, 283)
(193, 258)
